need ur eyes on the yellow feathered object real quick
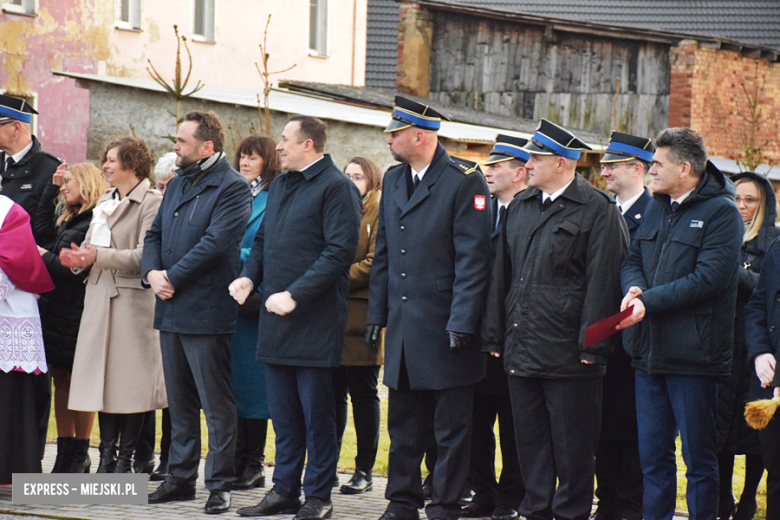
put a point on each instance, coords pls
(759, 413)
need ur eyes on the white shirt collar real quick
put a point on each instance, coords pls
(625, 206)
(557, 194)
(20, 155)
(680, 199)
(421, 173)
(315, 162)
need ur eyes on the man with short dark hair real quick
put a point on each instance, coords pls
(556, 272)
(25, 169)
(301, 255)
(191, 254)
(680, 277)
(618, 472)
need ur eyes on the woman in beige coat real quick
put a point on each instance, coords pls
(117, 369)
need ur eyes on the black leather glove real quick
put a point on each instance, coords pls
(372, 336)
(460, 340)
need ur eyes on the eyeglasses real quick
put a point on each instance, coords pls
(8, 123)
(66, 180)
(356, 177)
(749, 201)
(612, 166)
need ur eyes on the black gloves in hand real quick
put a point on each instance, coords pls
(460, 340)
(372, 336)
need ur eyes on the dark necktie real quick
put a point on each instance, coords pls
(675, 205)
(416, 182)
(500, 220)
(545, 203)
(9, 161)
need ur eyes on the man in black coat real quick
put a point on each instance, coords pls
(506, 177)
(557, 271)
(428, 284)
(191, 254)
(680, 277)
(618, 473)
(302, 254)
(26, 169)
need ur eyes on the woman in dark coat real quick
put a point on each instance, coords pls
(358, 374)
(756, 203)
(257, 160)
(72, 195)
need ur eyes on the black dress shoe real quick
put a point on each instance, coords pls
(475, 509)
(252, 476)
(392, 516)
(168, 492)
(161, 472)
(218, 502)
(143, 466)
(315, 509)
(272, 504)
(360, 482)
(504, 513)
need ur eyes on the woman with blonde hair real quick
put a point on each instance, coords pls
(117, 368)
(756, 204)
(63, 217)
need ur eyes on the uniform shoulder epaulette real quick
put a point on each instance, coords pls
(52, 156)
(393, 167)
(464, 166)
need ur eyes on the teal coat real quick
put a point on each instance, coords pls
(248, 375)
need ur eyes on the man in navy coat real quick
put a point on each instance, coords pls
(191, 254)
(302, 254)
(428, 282)
(618, 473)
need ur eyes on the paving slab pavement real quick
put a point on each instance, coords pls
(367, 506)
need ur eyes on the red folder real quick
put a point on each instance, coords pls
(605, 328)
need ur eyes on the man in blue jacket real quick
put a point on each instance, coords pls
(680, 276)
(302, 255)
(191, 254)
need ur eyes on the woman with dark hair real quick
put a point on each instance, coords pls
(63, 218)
(358, 375)
(257, 160)
(756, 203)
(117, 369)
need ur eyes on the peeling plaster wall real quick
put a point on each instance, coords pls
(67, 35)
(147, 112)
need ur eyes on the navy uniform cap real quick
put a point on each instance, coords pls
(506, 148)
(408, 113)
(15, 108)
(626, 147)
(551, 139)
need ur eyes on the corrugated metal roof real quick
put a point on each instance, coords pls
(297, 103)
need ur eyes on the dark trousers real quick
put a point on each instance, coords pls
(144, 450)
(360, 384)
(300, 401)
(666, 404)
(770, 453)
(557, 423)
(619, 478)
(509, 490)
(413, 418)
(197, 375)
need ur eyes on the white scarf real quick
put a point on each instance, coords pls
(101, 233)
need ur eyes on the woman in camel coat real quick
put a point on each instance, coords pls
(117, 369)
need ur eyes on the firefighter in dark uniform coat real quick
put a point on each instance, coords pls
(498, 499)
(556, 272)
(428, 284)
(618, 472)
(26, 169)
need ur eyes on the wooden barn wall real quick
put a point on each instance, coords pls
(512, 69)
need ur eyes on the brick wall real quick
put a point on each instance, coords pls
(706, 95)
